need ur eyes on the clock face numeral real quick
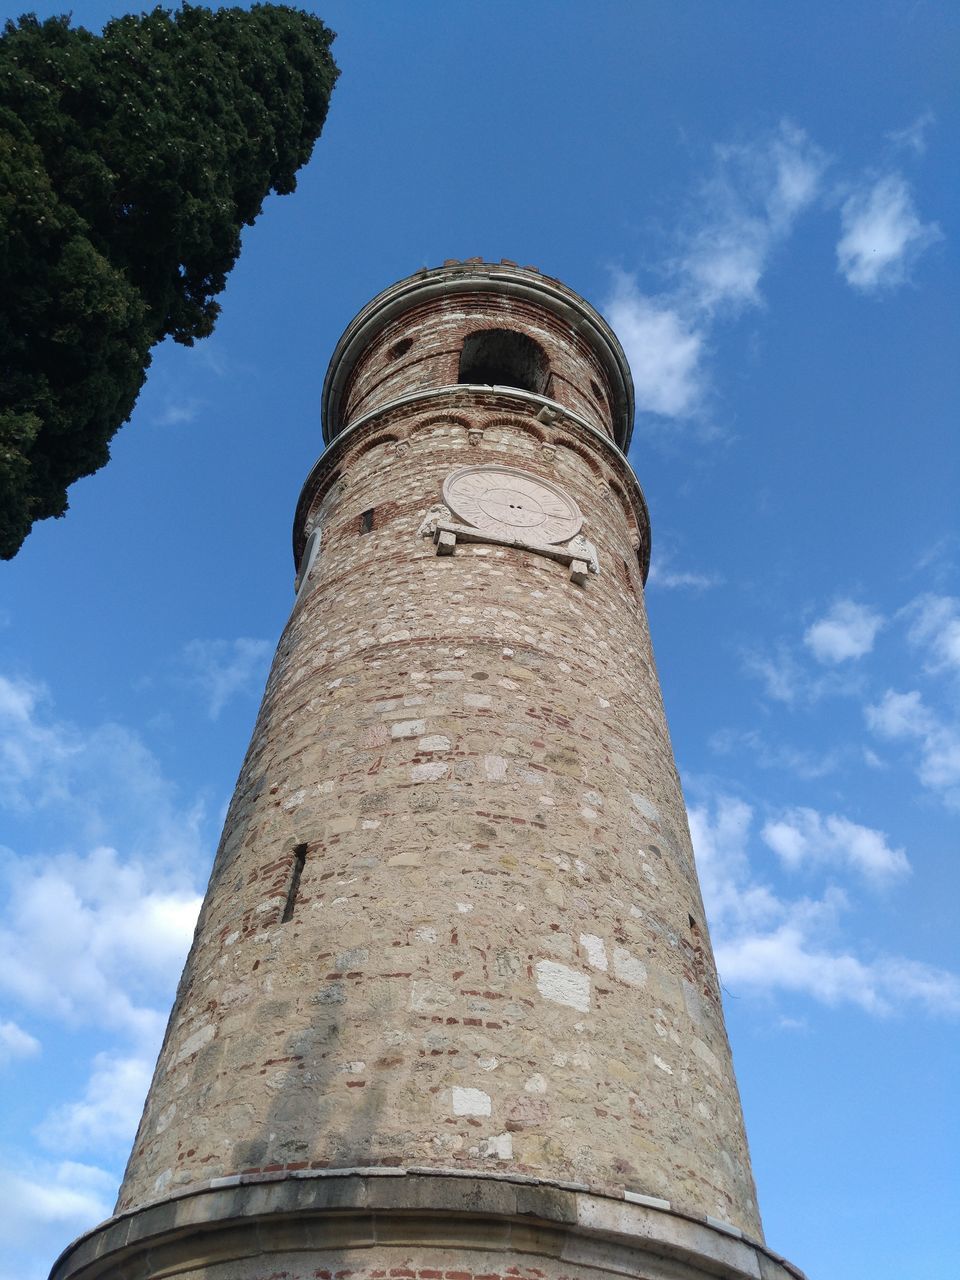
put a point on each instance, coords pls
(510, 503)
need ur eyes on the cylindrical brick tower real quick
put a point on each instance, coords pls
(451, 1009)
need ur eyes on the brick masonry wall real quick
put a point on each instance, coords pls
(497, 957)
(436, 332)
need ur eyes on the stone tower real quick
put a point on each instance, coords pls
(451, 1011)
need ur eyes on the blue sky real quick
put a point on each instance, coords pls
(762, 198)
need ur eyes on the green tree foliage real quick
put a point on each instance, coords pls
(129, 162)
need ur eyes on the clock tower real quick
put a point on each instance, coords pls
(451, 1011)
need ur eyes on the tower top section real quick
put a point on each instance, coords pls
(480, 324)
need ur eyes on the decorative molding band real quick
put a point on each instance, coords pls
(459, 396)
(244, 1221)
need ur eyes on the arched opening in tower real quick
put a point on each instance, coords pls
(503, 358)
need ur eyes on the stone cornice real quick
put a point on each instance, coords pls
(463, 278)
(318, 1212)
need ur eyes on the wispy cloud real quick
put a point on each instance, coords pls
(16, 1043)
(95, 921)
(928, 728)
(798, 762)
(740, 216)
(803, 836)
(907, 717)
(175, 412)
(35, 757)
(846, 631)
(225, 669)
(663, 573)
(90, 938)
(778, 671)
(37, 1196)
(785, 679)
(90, 934)
(766, 943)
(682, 579)
(913, 138)
(745, 209)
(94, 785)
(106, 1117)
(938, 560)
(882, 235)
(935, 626)
(665, 349)
(753, 199)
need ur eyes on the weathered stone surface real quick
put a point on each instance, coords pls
(438, 1227)
(493, 958)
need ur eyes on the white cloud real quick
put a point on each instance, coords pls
(743, 212)
(772, 755)
(33, 756)
(914, 137)
(176, 412)
(754, 197)
(901, 715)
(734, 900)
(848, 630)
(663, 574)
(107, 1115)
(938, 560)
(16, 1043)
(225, 669)
(780, 674)
(724, 263)
(786, 680)
(905, 716)
(882, 235)
(792, 1024)
(681, 579)
(89, 934)
(765, 943)
(786, 959)
(92, 939)
(95, 919)
(664, 348)
(38, 1199)
(97, 784)
(803, 835)
(935, 626)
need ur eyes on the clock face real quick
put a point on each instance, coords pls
(511, 503)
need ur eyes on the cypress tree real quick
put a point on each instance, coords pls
(129, 163)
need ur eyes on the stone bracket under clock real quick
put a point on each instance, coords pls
(579, 554)
(506, 507)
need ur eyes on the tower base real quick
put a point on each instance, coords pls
(394, 1224)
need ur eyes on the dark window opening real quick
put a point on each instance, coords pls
(628, 578)
(597, 393)
(399, 348)
(296, 871)
(692, 923)
(366, 520)
(503, 358)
